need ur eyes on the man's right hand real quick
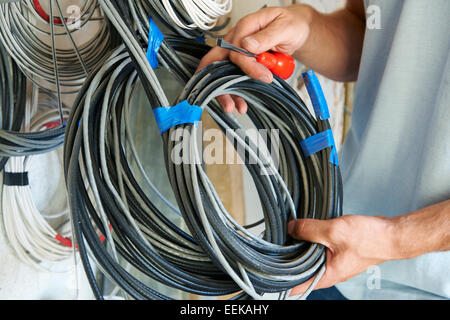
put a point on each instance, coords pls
(278, 29)
(331, 44)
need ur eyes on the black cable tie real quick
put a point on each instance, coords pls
(16, 179)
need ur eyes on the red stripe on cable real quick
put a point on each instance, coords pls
(51, 125)
(68, 243)
(43, 14)
(65, 241)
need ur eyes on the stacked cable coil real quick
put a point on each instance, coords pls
(46, 130)
(116, 226)
(47, 50)
(217, 256)
(187, 18)
(28, 230)
(12, 103)
(302, 187)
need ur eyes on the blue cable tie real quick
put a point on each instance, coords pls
(155, 39)
(201, 39)
(182, 113)
(316, 94)
(319, 142)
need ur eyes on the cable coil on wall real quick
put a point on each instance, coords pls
(12, 101)
(214, 258)
(116, 224)
(47, 50)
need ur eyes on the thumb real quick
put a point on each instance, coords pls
(311, 230)
(277, 36)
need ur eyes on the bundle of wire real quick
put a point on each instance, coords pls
(12, 101)
(29, 231)
(44, 134)
(187, 18)
(26, 30)
(30, 235)
(16, 139)
(218, 257)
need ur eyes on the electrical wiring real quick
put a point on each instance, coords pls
(204, 13)
(218, 256)
(43, 134)
(161, 244)
(12, 98)
(311, 189)
(28, 231)
(187, 18)
(62, 65)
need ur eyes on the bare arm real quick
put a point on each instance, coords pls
(423, 231)
(355, 243)
(334, 45)
(329, 43)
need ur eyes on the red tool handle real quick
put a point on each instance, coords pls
(278, 63)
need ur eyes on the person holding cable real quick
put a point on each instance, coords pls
(395, 161)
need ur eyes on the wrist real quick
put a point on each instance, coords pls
(402, 247)
(384, 239)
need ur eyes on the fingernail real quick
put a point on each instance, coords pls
(291, 226)
(229, 109)
(266, 78)
(251, 44)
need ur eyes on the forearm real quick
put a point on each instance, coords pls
(423, 231)
(356, 242)
(334, 46)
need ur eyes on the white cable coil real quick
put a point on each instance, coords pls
(29, 234)
(204, 13)
(28, 230)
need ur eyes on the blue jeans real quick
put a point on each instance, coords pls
(326, 294)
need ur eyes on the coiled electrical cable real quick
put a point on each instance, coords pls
(301, 188)
(12, 98)
(164, 252)
(29, 231)
(43, 134)
(30, 235)
(187, 18)
(203, 13)
(215, 255)
(62, 65)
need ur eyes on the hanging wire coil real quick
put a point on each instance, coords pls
(49, 51)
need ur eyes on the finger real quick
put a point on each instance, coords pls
(216, 53)
(279, 36)
(241, 104)
(311, 230)
(251, 67)
(254, 23)
(245, 27)
(268, 38)
(301, 289)
(227, 103)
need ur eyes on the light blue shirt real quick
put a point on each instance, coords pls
(396, 158)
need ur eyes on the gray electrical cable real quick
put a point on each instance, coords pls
(25, 33)
(219, 256)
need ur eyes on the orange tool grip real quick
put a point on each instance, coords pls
(278, 63)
